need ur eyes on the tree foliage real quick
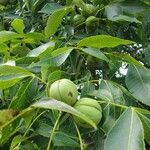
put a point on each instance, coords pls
(102, 46)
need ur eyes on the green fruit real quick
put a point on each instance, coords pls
(79, 3)
(90, 21)
(91, 109)
(78, 19)
(89, 9)
(64, 90)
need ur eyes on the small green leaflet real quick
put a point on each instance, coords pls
(18, 25)
(54, 21)
(96, 53)
(39, 50)
(103, 41)
(10, 75)
(58, 57)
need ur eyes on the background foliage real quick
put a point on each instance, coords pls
(101, 45)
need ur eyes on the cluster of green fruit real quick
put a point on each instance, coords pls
(87, 14)
(66, 91)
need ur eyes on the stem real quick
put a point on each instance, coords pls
(52, 133)
(79, 135)
(41, 80)
(114, 104)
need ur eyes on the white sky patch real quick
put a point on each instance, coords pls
(123, 71)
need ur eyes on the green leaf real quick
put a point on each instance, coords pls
(123, 57)
(115, 93)
(125, 18)
(51, 8)
(58, 57)
(39, 50)
(138, 83)
(60, 138)
(36, 5)
(25, 94)
(126, 134)
(4, 49)
(8, 35)
(7, 81)
(102, 41)
(56, 75)
(111, 112)
(5, 69)
(25, 61)
(18, 25)
(33, 37)
(16, 140)
(102, 94)
(54, 21)
(48, 103)
(10, 75)
(96, 53)
(146, 125)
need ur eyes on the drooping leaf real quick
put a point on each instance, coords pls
(126, 134)
(123, 57)
(51, 8)
(125, 18)
(138, 83)
(10, 75)
(39, 50)
(6, 70)
(96, 53)
(18, 25)
(58, 57)
(102, 41)
(7, 81)
(54, 21)
(48, 103)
